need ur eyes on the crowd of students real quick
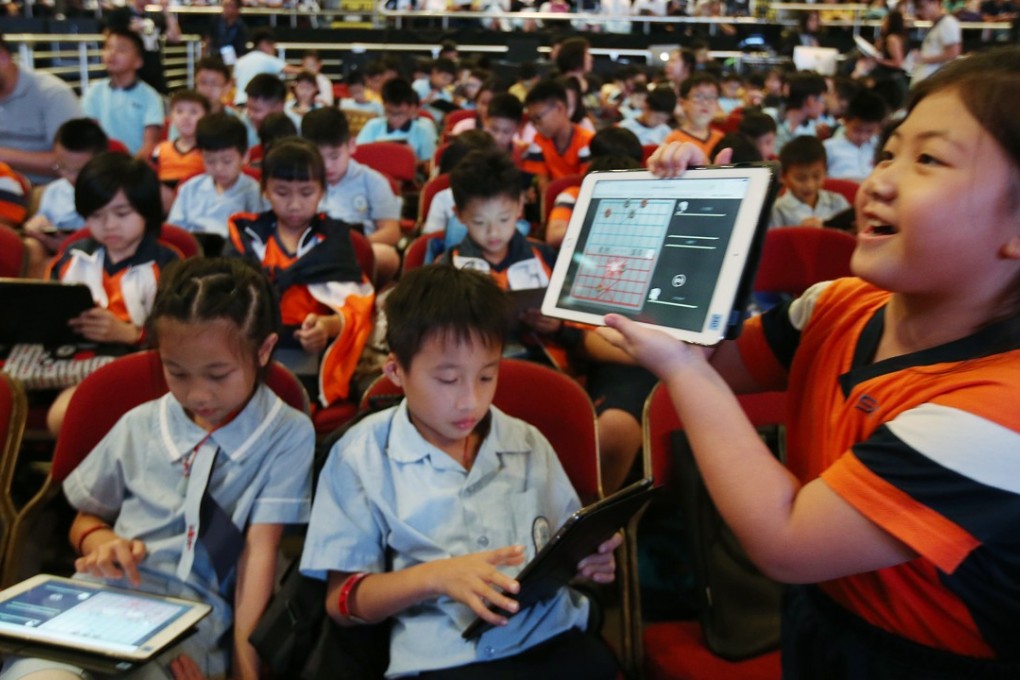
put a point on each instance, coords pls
(405, 495)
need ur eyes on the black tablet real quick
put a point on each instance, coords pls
(555, 565)
(38, 311)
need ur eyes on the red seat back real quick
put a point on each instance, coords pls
(428, 192)
(795, 258)
(848, 188)
(393, 159)
(554, 189)
(12, 253)
(364, 254)
(415, 254)
(177, 238)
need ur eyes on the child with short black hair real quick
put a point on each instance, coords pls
(212, 80)
(311, 62)
(220, 457)
(305, 94)
(402, 122)
(355, 193)
(266, 94)
(205, 203)
(77, 141)
(760, 128)
(389, 527)
(851, 151)
(560, 147)
(120, 261)
(325, 298)
(805, 103)
(438, 86)
(357, 98)
(502, 120)
(699, 97)
(652, 125)
(804, 202)
(127, 108)
(180, 158)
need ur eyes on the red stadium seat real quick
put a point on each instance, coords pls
(13, 259)
(795, 258)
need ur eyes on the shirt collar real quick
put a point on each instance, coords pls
(406, 127)
(179, 434)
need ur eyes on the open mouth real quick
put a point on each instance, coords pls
(878, 228)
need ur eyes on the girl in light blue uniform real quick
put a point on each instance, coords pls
(220, 435)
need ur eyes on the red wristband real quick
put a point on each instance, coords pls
(88, 532)
(343, 603)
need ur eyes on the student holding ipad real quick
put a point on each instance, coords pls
(899, 503)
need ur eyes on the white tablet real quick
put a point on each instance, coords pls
(93, 618)
(676, 253)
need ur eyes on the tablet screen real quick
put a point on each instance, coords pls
(94, 618)
(669, 253)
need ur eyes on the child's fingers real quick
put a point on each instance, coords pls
(510, 555)
(612, 543)
(309, 322)
(123, 554)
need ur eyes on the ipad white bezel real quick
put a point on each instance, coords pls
(748, 227)
(192, 612)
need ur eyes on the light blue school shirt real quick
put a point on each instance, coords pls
(200, 208)
(134, 480)
(646, 135)
(375, 108)
(124, 113)
(384, 488)
(57, 204)
(788, 211)
(846, 160)
(421, 136)
(362, 196)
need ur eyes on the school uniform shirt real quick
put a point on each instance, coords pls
(789, 211)
(362, 196)
(706, 144)
(127, 288)
(645, 134)
(924, 445)
(846, 160)
(388, 500)
(349, 104)
(543, 158)
(13, 201)
(173, 165)
(418, 133)
(57, 205)
(442, 218)
(563, 205)
(261, 464)
(200, 208)
(322, 277)
(785, 132)
(124, 113)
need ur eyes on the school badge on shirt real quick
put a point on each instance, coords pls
(540, 532)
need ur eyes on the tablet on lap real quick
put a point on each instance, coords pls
(677, 253)
(39, 311)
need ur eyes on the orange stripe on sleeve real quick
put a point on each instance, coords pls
(940, 540)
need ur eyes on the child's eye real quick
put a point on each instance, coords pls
(447, 381)
(218, 378)
(928, 159)
(487, 378)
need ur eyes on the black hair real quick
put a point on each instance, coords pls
(697, 80)
(266, 86)
(803, 150)
(527, 71)
(398, 91)
(213, 64)
(463, 144)
(546, 90)
(219, 131)
(82, 135)
(506, 105)
(130, 36)
(444, 65)
(293, 160)
(374, 68)
(448, 45)
(110, 172)
(661, 100)
(189, 96)
(355, 77)
(261, 35)
(442, 301)
(570, 56)
(846, 87)
(744, 150)
(616, 141)
(756, 124)
(605, 163)
(306, 77)
(3, 44)
(275, 126)
(867, 107)
(314, 54)
(485, 174)
(207, 289)
(756, 80)
(802, 85)
(326, 127)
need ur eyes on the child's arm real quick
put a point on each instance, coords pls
(795, 533)
(317, 330)
(104, 553)
(150, 138)
(256, 576)
(386, 231)
(472, 579)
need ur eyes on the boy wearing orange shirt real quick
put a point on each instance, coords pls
(560, 148)
(699, 97)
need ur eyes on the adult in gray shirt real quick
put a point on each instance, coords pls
(32, 106)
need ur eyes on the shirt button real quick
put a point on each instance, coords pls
(490, 651)
(483, 541)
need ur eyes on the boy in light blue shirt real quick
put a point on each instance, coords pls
(851, 151)
(401, 122)
(205, 203)
(804, 202)
(125, 107)
(652, 125)
(425, 511)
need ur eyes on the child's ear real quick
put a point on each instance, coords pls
(392, 370)
(352, 144)
(266, 350)
(1011, 250)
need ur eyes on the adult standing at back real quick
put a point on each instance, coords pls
(228, 34)
(261, 59)
(941, 44)
(32, 106)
